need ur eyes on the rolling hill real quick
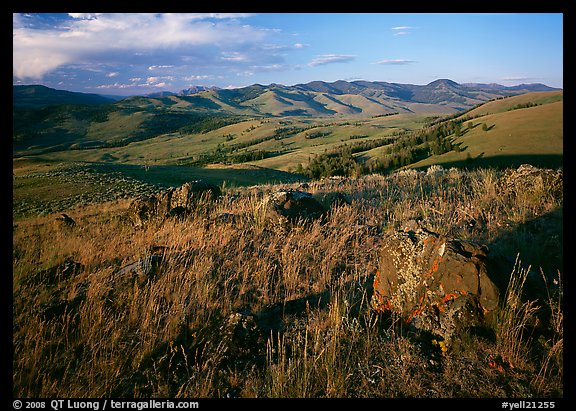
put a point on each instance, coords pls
(281, 127)
(37, 96)
(45, 119)
(160, 142)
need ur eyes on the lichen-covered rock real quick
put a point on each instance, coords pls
(530, 179)
(432, 282)
(239, 335)
(333, 199)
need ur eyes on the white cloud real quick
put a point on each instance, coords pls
(324, 59)
(137, 82)
(162, 66)
(397, 62)
(197, 77)
(402, 30)
(113, 74)
(234, 56)
(117, 38)
(84, 16)
(152, 81)
(115, 86)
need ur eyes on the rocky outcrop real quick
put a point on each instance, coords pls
(143, 209)
(173, 202)
(433, 283)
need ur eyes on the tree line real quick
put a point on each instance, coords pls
(398, 152)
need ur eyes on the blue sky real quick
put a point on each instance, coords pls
(143, 53)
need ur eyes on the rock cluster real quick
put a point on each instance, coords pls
(530, 179)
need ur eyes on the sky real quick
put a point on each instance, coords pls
(142, 53)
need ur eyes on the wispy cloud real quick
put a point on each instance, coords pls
(198, 77)
(234, 56)
(324, 59)
(402, 30)
(84, 16)
(395, 62)
(519, 78)
(159, 67)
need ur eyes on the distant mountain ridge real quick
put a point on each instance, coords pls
(316, 98)
(186, 92)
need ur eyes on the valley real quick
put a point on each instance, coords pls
(219, 135)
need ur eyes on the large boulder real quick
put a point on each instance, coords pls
(142, 209)
(189, 193)
(530, 179)
(294, 205)
(433, 283)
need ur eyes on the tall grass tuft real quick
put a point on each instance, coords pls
(515, 317)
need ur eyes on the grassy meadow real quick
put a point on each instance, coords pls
(83, 327)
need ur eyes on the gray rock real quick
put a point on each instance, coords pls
(193, 191)
(173, 202)
(143, 209)
(144, 269)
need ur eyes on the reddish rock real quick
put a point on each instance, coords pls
(432, 282)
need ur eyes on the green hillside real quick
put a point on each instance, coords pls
(528, 134)
(516, 102)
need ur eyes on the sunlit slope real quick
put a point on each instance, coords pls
(528, 133)
(299, 148)
(302, 137)
(509, 103)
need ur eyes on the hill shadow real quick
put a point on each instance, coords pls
(174, 175)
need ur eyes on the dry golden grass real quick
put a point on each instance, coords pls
(91, 331)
